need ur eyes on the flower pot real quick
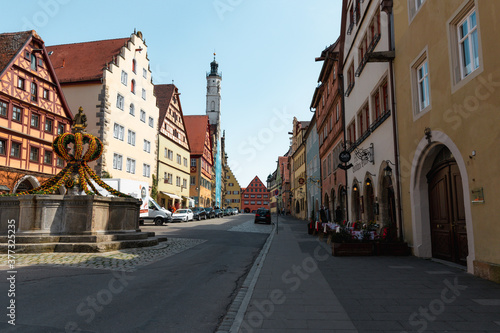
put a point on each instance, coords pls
(392, 249)
(352, 249)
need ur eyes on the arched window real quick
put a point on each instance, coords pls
(132, 109)
(212, 106)
(132, 86)
(133, 65)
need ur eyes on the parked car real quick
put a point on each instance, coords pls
(226, 212)
(199, 213)
(218, 212)
(235, 211)
(183, 215)
(210, 212)
(264, 215)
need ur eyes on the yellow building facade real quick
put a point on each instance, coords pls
(448, 78)
(233, 190)
(299, 200)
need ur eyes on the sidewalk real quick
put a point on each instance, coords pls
(301, 287)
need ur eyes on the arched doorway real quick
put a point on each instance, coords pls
(326, 203)
(446, 209)
(388, 202)
(297, 207)
(26, 183)
(370, 201)
(356, 207)
(341, 212)
(247, 210)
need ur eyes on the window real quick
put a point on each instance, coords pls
(132, 110)
(143, 94)
(193, 180)
(185, 161)
(130, 165)
(364, 120)
(350, 80)
(151, 122)
(259, 196)
(143, 116)
(193, 162)
(351, 133)
(385, 98)
(337, 113)
(245, 196)
(34, 92)
(120, 101)
(17, 113)
(132, 87)
(468, 44)
(60, 129)
(3, 147)
(35, 120)
(179, 159)
(47, 157)
(124, 78)
(246, 202)
(59, 162)
(46, 94)
(252, 195)
(15, 150)
(20, 83)
(414, 7)
(118, 132)
(252, 202)
(376, 105)
(231, 184)
(147, 146)
(133, 65)
(178, 181)
(49, 125)
(3, 109)
(117, 161)
(236, 192)
(33, 61)
(265, 196)
(146, 170)
(423, 86)
(170, 154)
(34, 153)
(144, 73)
(170, 178)
(184, 183)
(131, 138)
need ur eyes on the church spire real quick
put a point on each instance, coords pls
(214, 66)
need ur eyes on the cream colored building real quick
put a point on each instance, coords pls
(173, 150)
(111, 80)
(369, 113)
(448, 78)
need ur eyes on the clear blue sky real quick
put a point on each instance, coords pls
(265, 50)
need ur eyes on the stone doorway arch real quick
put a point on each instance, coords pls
(26, 183)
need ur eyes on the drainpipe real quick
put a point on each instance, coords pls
(390, 15)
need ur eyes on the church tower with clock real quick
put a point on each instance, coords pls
(214, 79)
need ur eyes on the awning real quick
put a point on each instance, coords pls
(173, 196)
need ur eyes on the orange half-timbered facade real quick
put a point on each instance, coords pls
(202, 160)
(33, 111)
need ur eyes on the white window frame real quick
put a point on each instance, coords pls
(193, 162)
(457, 74)
(170, 154)
(418, 108)
(143, 94)
(143, 116)
(468, 39)
(146, 170)
(130, 168)
(118, 131)
(131, 138)
(146, 146)
(132, 109)
(193, 180)
(120, 101)
(178, 181)
(151, 122)
(423, 85)
(124, 78)
(117, 161)
(144, 73)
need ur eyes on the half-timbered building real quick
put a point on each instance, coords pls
(33, 111)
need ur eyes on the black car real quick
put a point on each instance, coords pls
(210, 212)
(263, 215)
(199, 213)
(218, 212)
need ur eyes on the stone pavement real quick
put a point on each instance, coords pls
(296, 285)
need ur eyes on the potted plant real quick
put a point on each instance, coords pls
(344, 244)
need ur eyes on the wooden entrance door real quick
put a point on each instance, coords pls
(447, 214)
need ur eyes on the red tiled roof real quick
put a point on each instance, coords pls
(196, 127)
(10, 45)
(84, 61)
(163, 93)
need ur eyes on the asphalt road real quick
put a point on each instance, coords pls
(187, 292)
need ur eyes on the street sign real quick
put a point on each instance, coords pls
(276, 192)
(301, 181)
(344, 156)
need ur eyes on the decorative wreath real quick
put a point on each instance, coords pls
(77, 164)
